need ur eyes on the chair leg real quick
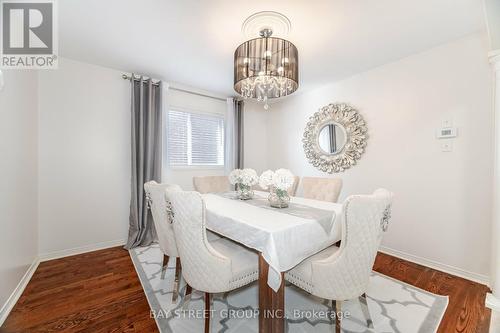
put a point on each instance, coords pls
(175, 293)
(187, 296)
(164, 266)
(207, 312)
(337, 308)
(366, 310)
(189, 290)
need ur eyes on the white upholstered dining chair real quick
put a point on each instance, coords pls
(324, 189)
(293, 190)
(211, 184)
(158, 204)
(209, 267)
(340, 274)
(155, 196)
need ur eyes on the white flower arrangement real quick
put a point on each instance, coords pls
(246, 177)
(283, 179)
(234, 176)
(280, 180)
(266, 179)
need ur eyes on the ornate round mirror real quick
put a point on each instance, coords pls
(335, 137)
(332, 138)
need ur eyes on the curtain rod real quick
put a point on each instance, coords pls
(128, 77)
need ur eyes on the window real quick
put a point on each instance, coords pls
(195, 139)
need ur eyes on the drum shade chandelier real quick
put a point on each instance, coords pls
(266, 67)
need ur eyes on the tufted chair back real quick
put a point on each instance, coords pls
(155, 194)
(293, 190)
(203, 267)
(324, 189)
(211, 184)
(344, 275)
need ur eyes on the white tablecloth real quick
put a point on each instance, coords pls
(283, 239)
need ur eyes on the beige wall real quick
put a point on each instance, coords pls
(18, 183)
(442, 208)
(84, 165)
(256, 136)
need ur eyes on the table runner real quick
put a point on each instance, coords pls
(322, 216)
(283, 239)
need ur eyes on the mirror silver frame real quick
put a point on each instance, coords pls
(356, 136)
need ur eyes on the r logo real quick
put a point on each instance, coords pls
(27, 28)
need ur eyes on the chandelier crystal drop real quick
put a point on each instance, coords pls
(266, 68)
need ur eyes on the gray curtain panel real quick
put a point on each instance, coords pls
(146, 156)
(238, 133)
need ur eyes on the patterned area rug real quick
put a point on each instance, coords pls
(394, 306)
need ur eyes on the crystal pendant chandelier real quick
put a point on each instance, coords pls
(266, 68)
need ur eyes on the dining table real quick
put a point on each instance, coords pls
(283, 237)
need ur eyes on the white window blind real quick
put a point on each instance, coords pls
(195, 139)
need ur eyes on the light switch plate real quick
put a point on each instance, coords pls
(447, 147)
(446, 133)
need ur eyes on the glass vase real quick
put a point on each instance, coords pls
(279, 198)
(244, 192)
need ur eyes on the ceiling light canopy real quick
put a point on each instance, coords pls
(266, 67)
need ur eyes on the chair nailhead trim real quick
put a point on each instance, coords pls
(301, 283)
(297, 278)
(254, 276)
(245, 276)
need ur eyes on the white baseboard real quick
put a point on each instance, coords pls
(80, 250)
(14, 297)
(479, 278)
(492, 302)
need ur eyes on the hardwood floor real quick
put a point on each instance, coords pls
(100, 292)
(93, 292)
(466, 312)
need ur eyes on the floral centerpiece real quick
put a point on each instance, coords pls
(244, 180)
(278, 182)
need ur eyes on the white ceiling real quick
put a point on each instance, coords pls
(192, 42)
